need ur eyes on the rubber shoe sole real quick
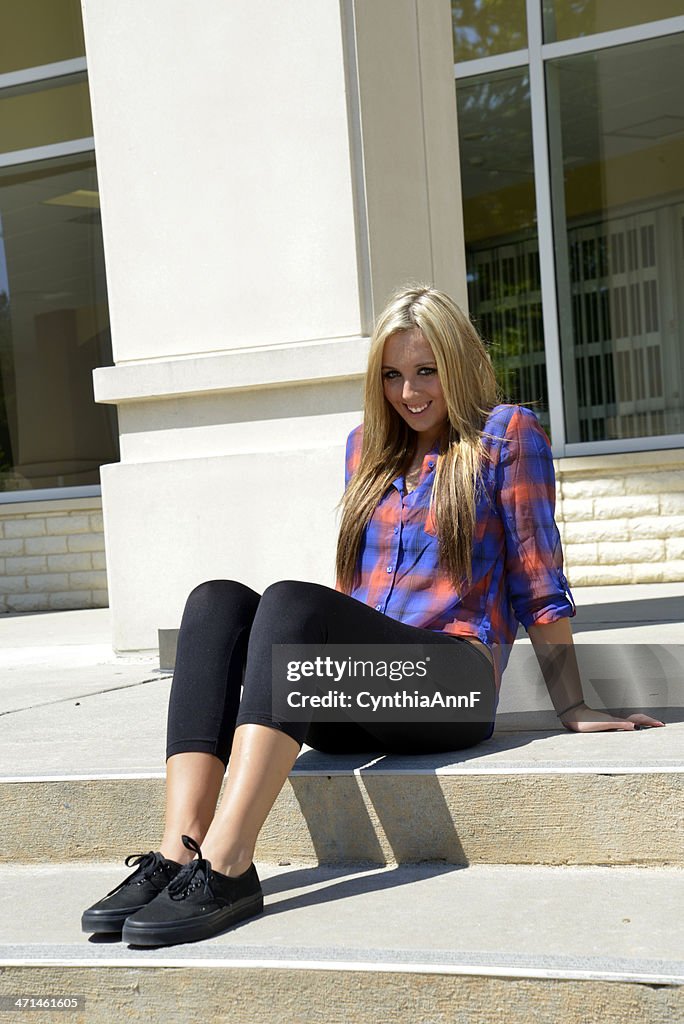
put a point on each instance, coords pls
(163, 933)
(106, 922)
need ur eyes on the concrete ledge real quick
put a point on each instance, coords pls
(10, 509)
(238, 370)
(263, 995)
(380, 817)
(619, 461)
(267, 996)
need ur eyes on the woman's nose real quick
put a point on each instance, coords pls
(408, 390)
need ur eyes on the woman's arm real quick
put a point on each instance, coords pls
(555, 651)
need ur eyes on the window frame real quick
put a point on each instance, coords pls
(535, 58)
(65, 70)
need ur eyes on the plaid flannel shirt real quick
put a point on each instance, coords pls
(517, 558)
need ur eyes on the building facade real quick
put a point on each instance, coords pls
(266, 176)
(54, 320)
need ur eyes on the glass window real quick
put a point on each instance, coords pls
(483, 28)
(45, 112)
(502, 250)
(567, 19)
(36, 32)
(617, 155)
(54, 327)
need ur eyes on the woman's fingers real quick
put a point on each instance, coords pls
(587, 720)
(642, 721)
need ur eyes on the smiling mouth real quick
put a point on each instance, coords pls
(416, 410)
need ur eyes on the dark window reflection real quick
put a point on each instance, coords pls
(37, 32)
(483, 28)
(54, 327)
(569, 19)
(500, 230)
(619, 209)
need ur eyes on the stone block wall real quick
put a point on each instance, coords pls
(621, 517)
(52, 555)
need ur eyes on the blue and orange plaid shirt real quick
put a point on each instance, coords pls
(517, 558)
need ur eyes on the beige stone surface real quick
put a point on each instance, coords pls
(24, 528)
(526, 818)
(264, 995)
(619, 553)
(661, 481)
(631, 505)
(44, 543)
(592, 487)
(656, 526)
(575, 508)
(594, 530)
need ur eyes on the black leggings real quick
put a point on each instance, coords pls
(225, 642)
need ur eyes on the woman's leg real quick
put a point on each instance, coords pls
(264, 750)
(205, 695)
(222, 886)
(193, 784)
(260, 762)
(203, 704)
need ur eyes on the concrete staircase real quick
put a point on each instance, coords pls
(536, 877)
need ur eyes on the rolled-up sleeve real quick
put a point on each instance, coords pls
(526, 495)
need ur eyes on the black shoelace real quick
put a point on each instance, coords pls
(147, 865)
(185, 880)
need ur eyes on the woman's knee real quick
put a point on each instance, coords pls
(214, 595)
(293, 593)
(291, 609)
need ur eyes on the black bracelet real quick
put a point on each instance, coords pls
(571, 708)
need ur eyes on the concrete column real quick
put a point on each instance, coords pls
(409, 145)
(254, 218)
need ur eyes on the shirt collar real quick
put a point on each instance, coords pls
(427, 466)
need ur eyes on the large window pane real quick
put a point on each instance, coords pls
(617, 157)
(54, 327)
(44, 113)
(35, 32)
(485, 27)
(502, 251)
(567, 19)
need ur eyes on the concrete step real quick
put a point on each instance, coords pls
(356, 944)
(528, 798)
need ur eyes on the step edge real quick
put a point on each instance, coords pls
(541, 769)
(633, 976)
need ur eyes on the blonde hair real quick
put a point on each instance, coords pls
(470, 391)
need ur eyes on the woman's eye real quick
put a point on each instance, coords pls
(426, 371)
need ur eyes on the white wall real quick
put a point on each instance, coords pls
(268, 172)
(224, 168)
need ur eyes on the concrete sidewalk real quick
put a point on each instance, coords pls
(536, 876)
(69, 704)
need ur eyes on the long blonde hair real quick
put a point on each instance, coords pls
(470, 390)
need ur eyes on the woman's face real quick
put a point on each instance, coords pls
(411, 383)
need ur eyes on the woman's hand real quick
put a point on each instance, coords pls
(585, 719)
(557, 658)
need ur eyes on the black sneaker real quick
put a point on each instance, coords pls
(152, 874)
(198, 904)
